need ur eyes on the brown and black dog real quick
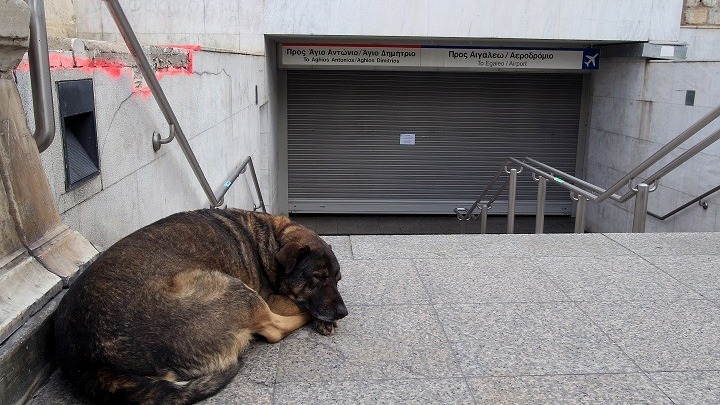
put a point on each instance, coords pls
(162, 316)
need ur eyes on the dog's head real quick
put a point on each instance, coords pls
(309, 275)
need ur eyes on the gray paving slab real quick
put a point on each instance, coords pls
(663, 335)
(254, 382)
(371, 343)
(490, 279)
(608, 389)
(700, 387)
(670, 244)
(340, 246)
(416, 391)
(701, 273)
(443, 318)
(612, 278)
(381, 282)
(458, 246)
(241, 392)
(529, 338)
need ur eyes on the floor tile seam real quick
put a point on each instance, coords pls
(552, 281)
(273, 397)
(371, 380)
(442, 328)
(698, 370)
(568, 374)
(485, 376)
(467, 303)
(350, 244)
(675, 278)
(489, 256)
(639, 300)
(568, 301)
(622, 350)
(623, 246)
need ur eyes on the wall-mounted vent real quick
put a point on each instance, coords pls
(77, 118)
(690, 98)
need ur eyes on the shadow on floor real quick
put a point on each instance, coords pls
(325, 224)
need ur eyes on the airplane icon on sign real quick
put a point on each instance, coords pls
(591, 60)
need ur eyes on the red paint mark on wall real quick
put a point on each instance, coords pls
(190, 47)
(60, 61)
(114, 69)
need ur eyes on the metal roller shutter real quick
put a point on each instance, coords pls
(344, 151)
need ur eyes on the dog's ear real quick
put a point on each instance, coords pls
(289, 254)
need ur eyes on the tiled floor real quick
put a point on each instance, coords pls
(501, 319)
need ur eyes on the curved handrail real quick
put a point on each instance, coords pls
(216, 199)
(463, 214)
(687, 204)
(40, 81)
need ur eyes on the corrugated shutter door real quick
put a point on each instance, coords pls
(344, 151)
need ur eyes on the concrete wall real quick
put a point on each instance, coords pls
(242, 24)
(234, 25)
(614, 20)
(637, 107)
(216, 107)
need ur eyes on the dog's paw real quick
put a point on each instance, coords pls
(325, 328)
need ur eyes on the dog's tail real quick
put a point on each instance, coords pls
(108, 385)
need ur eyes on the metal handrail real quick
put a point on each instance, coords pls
(579, 188)
(669, 147)
(569, 176)
(465, 214)
(560, 181)
(684, 157)
(687, 204)
(175, 129)
(40, 80)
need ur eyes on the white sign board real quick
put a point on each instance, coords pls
(349, 55)
(436, 56)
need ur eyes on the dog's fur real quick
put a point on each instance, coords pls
(162, 316)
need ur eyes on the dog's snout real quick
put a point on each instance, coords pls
(341, 311)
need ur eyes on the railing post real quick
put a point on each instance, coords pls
(512, 195)
(483, 218)
(641, 207)
(580, 214)
(540, 209)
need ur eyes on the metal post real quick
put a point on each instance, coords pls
(540, 209)
(40, 80)
(580, 214)
(483, 218)
(136, 50)
(641, 204)
(512, 195)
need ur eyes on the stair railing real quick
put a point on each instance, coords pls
(583, 191)
(699, 199)
(175, 130)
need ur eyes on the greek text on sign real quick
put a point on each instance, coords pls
(349, 55)
(436, 56)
